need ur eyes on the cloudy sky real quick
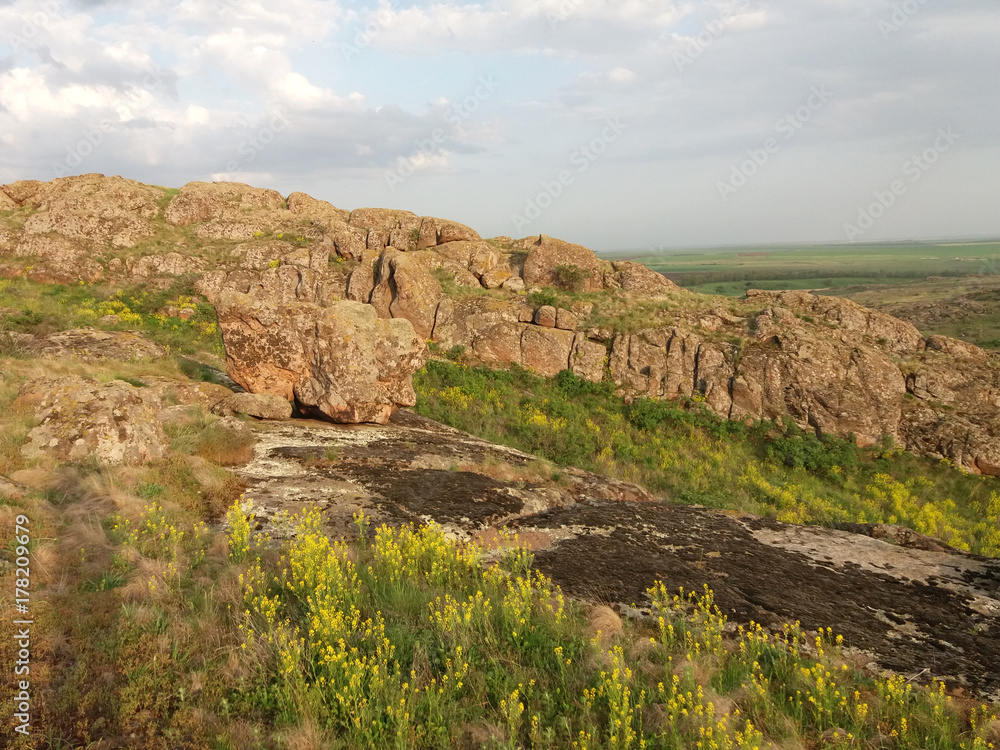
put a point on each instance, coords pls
(619, 124)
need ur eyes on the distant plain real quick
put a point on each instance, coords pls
(949, 287)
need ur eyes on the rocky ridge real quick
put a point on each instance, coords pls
(829, 364)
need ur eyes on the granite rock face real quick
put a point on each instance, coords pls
(340, 361)
(831, 365)
(114, 422)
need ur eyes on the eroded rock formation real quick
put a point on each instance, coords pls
(341, 361)
(833, 366)
(79, 418)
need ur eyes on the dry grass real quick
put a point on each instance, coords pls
(226, 446)
(604, 624)
(306, 736)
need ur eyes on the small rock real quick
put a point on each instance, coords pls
(259, 405)
(565, 320)
(545, 316)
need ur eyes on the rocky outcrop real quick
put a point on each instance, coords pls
(638, 279)
(105, 210)
(406, 289)
(902, 602)
(89, 343)
(115, 423)
(832, 365)
(547, 255)
(341, 361)
(219, 202)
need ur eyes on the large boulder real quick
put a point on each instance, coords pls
(341, 361)
(106, 210)
(407, 289)
(89, 343)
(638, 279)
(199, 202)
(114, 422)
(547, 255)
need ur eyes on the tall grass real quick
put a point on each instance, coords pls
(684, 452)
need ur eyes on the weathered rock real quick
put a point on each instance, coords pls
(360, 283)
(256, 256)
(89, 343)
(350, 242)
(514, 284)
(114, 422)
(477, 257)
(58, 260)
(106, 210)
(546, 350)
(170, 264)
(488, 328)
(306, 205)
(545, 316)
(406, 289)
(259, 405)
(565, 320)
(547, 254)
(588, 358)
(823, 385)
(183, 393)
(638, 279)
(340, 361)
(883, 330)
(917, 608)
(7, 203)
(452, 231)
(199, 202)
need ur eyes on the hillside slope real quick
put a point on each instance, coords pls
(831, 365)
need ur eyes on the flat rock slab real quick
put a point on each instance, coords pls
(908, 607)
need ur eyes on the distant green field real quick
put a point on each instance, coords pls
(732, 270)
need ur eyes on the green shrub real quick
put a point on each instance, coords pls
(570, 277)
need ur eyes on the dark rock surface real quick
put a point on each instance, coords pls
(901, 603)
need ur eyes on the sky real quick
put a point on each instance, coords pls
(617, 124)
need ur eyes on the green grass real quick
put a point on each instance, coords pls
(410, 641)
(48, 308)
(684, 452)
(704, 269)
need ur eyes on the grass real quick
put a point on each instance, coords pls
(686, 453)
(180, 636)
(47, 308)
(820, 264)
(157, 626)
